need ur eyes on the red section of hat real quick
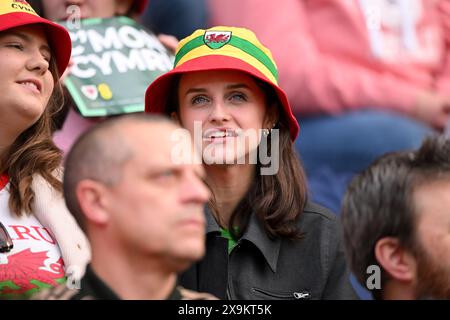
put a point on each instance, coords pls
(158, 91)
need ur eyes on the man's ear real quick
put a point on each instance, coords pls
(395, 259)
(123, 6)
(174, 117)
(93, 200)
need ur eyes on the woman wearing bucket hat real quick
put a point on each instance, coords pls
(265, 240)
(40, 242)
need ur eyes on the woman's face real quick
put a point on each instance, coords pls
(26, 82)
(63, 9)
(225, 112)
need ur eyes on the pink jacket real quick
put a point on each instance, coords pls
(336, 55)
(74, 125)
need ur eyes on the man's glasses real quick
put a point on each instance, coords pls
(6, 243)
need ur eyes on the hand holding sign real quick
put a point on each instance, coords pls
(170, 42)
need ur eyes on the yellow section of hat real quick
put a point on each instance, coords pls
(12, 6)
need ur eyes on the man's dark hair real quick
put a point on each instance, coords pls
(99, 154)
(379, 203)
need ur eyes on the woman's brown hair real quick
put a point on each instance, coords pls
(34, 152)
(277, 200)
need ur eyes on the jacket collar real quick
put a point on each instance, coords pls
(255, 234)
(258, 236)
(94, 287)
(211, 223)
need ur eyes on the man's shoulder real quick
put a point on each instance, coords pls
(316, 220)
(61, 292)
(315, 211)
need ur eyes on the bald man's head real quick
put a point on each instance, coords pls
(100, 153)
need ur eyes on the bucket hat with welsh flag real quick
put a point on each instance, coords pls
(16, 13)
(221, 48)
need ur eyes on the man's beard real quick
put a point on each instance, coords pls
(433, 277)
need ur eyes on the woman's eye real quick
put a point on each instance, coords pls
(238, 97)
(15, 45)
(199, 100)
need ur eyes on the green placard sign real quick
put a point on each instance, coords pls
(114, 61)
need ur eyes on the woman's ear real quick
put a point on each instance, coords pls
(272, 117)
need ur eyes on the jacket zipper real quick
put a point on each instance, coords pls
(296, 295)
